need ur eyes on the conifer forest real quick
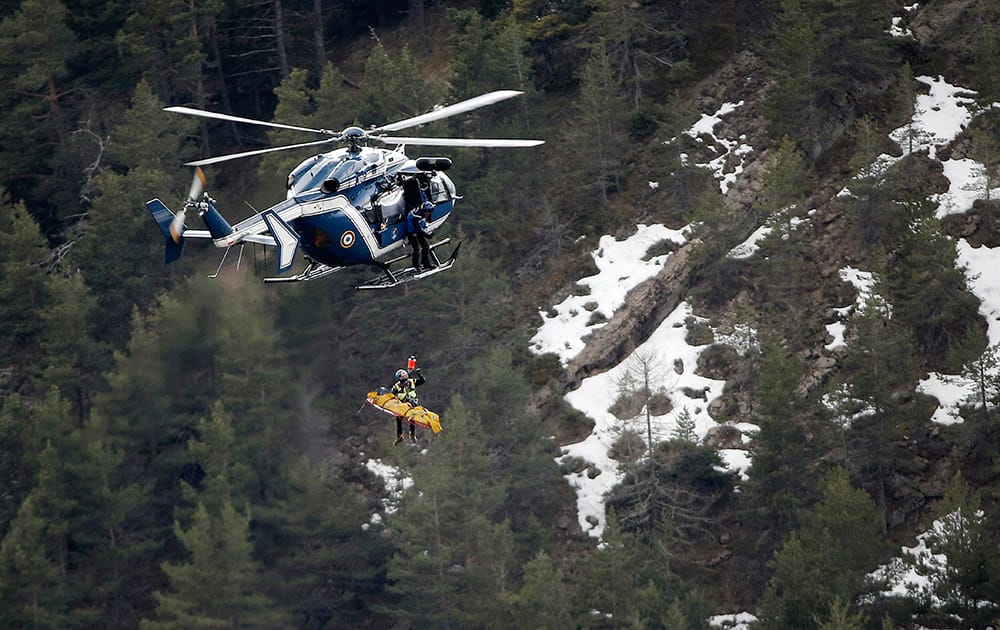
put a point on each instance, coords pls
(185, 451)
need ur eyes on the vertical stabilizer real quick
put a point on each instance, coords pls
(285, 237)
(164, 219)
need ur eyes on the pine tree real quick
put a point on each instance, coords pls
(84, 517)
(635, 567)
(930, 293)
(456, 496)
(968, 580)
(986, 59)
(786, 180)
(498, 391)
(983, 371)
(150, 138)
(32, 586)
(221, 583)
(20, 444)
(824, 50)
(986, 149)
(489, 53)
(393, 87)
(783, 477)
(824, 563)
(790, 105)
(599, 135)
(37, 107)
(841, 618)
(880, 361)
(544, 600)
(74, 361)
(119, 256)
(167, 47)
(255, 382)
(24, 295)
(329, 563)
(219, 586)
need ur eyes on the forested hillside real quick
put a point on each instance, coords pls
(179, 451)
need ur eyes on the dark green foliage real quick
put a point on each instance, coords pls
(600, 135)
(167, 46)
(328, 106)
(37, 108)
(75, 362)
(784, 474)
(73, 520)
(23, 293)
(120, 253)
(930, 289)
(489, 54)
(394, 89)
(672, 491)
(878, 366)
(20, 443)
(544, 600)
(986, 59)
(872, 202)
(220, 586)
(646, 590)
(968, 583)
(32, 590)
(826, 58)
(329, 564)
(517, 439)
(786, 181)
(451, 545)
(824, 564)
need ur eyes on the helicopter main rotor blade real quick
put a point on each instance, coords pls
(250, 121)
(458, 142)
(450, 110)
(236, 156)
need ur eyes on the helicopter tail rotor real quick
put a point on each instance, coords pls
(197, 188)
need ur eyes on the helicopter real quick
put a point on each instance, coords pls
(345, 207)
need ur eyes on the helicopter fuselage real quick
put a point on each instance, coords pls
(349, 206)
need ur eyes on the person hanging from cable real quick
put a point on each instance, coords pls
(405, 389)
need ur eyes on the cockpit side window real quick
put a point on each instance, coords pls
(437, 191)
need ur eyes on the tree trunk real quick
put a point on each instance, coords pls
(279, 39)
(318, 37)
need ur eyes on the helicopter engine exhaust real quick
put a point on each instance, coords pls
(433, 163)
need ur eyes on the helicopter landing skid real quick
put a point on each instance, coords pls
(390, 278)
(312, 271)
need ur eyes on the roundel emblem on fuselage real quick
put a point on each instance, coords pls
(347, 239)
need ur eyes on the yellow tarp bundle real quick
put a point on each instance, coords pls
(417, 415)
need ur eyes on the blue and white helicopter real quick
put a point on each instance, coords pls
(343, 208)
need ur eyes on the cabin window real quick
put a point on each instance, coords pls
(437, 191)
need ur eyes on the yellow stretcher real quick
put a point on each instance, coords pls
(395, 407)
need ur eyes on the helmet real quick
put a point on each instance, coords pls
(401, 374)
(426, 207)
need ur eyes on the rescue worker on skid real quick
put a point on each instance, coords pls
(405, 389)
(417, 233)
